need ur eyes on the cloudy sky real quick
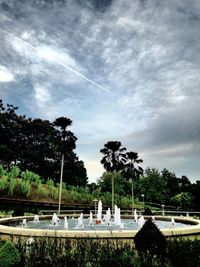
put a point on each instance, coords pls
(121, 70)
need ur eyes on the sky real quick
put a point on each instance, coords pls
(120, 70)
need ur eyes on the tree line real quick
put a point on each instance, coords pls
(37, 145)
(163, 187)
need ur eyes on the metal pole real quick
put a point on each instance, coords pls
(113, 193)
(61, 177)
(132, 196)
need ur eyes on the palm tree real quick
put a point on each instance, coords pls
(132, 170)
(65, 142)
(113, 160)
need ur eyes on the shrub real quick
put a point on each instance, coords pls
(12, 186)
(3, 182)
(9, 255)
(2, 171)
(183, 252)
(14, 172)
(25, 187)
(149, 241)
(30, 176)
(41, 190)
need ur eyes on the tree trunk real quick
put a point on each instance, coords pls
(113, 192)
(61, 178)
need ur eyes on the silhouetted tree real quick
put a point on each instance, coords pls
(113, 160)
(36, 145)
(132, 170)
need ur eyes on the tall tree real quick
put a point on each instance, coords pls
(113, 160)
(132, 170)
(65, 142)
(36, 145)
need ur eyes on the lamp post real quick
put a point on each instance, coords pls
(60, 189)
(142, 195)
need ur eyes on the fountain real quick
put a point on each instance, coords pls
(80, 224)
(90, 219)
(135, 215)
(117, 216)
(99, 213)
(108, 217)
(36, 219)
(55, 220)
(103, 228)
(141, 221)
(65, 223)
(172, 221)
(24, 223)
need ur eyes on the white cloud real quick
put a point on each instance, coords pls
(5, 75)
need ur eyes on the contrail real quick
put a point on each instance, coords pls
(57, 61)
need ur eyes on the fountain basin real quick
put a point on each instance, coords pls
(191, 228)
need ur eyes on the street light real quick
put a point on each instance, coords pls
(142, 195)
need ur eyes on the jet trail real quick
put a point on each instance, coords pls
(57, 61)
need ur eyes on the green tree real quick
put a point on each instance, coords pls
(113, 160)
(30, 144)
(183, 200)
(132, 170)
(172, 183)
(153, 186)
(65, 142)
(105, 184)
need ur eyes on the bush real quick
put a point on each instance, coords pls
(3, 182)
(41, 190)
(183, 252)
(12, 186)
(9, 255)
(2, 171)
(25, 187)
(149, 241)
(14, 172)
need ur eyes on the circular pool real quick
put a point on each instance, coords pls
(13, 226)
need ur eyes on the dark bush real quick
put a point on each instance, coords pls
(9, 255)
(149, 241)
(183, 252)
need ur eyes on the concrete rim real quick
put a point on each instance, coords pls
(5, 230)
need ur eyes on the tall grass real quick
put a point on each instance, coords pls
(12, 186)
(105, 252)
(3, 182)
(25, 187)
(3, 171)
(14, 172)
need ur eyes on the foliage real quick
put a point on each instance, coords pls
(25, 187)
(131, 169)
(9, 255)
(153, 186)
(105, 184)
(34, 145)
(182, 200)
(149, 241)
(41, 190)
(183, 252)
(105, 252)
(113, 156)
(14, 172)
(12, 186)
(3, 182)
